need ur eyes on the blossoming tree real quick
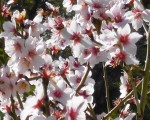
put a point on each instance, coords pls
(34, 85)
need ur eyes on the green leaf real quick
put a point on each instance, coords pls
(1, 115)
(1, 51)
(148, 100)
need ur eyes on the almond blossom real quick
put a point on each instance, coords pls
(138, 15)
(31, 56)
(76, 108)
(117, 15)
(7, 80)
(15, 47)
(41, 84)
(124, 87)
(125, 114)
(33, 103)
(68, 4)
(128, 39)
(60, 92)
(23, 86)
(9, 29)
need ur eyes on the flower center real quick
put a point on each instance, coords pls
(76, 37)
(124, 39)
(86, 52)
(58, 93)
(78, 79)
(17, 46)
(72, 114)
(95, 51)
(76, 64)
(118, 19)
(31, 54)
(38, 104)
(137, 13)
(121, 56)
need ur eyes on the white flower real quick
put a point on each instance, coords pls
(68, 4)
(60, 92)
(128, 39)
(23, 86)
(126, 114)
(117, 14)
(9, 29)
(76, 108)
(15, 47)
(138, 14)
(124, 87)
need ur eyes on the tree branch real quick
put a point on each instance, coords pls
(146, 76)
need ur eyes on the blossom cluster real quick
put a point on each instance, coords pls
(100, 31)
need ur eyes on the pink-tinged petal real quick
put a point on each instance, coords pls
(66, 3)
(129, 117)
(38, 18)
(123, 80)
(19, 66)
(127, 1)
(74, 26)
(137, 23)
(128, 14)
(89, 2)
(25, 113)
(36, 117)
(37, 62)
(121, 24)
(131, 60)
(81, 116)
(69, 8)
(119, 118)
(49, 5)
(41, 28)
(77, 7)
(131, 48)
(146, 15)
(61, 84)
(137, 4)
(8, 26)
(109, 14)
(40, 48)
(116, 10)
(12, 61)
(123, 87)
(77, 50)
(65, 33)
(125, 30)
(6, 35)
(123, 93)
(134, 37)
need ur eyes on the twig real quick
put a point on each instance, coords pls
(19, 100)
(13, 108)
(129, 72)
(83, 78)
(33, 78)
(145, 28)
(146, 76)
(90, 109)
(121, 103)
(45, 82)
(106, 88)
(66, 80)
